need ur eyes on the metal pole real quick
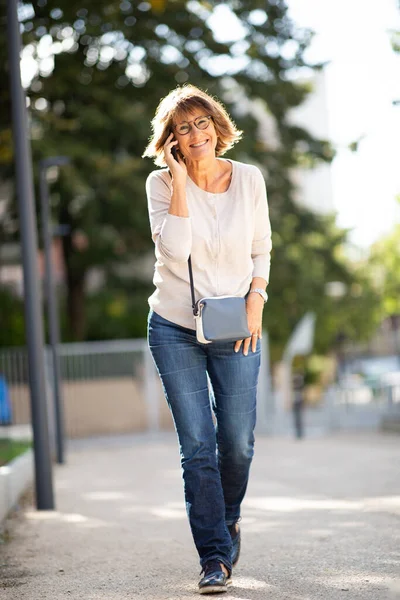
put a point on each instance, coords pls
(52, 313)
(33, 314)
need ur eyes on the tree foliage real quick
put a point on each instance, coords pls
(385, 261)
(12, 326)
(102, 69)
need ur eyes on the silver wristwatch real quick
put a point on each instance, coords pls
(260, 291)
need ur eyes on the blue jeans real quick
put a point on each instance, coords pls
(215, 459)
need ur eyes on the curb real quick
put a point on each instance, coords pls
(15, 477)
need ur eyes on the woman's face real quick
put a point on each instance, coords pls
(198, 143)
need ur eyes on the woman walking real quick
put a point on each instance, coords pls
(215, 211)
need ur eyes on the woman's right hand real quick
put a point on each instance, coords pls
(177, 167)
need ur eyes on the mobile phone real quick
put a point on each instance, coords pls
(174, 149)
(174, 152)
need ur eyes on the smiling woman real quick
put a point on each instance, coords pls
(213, 211)
(178, 106)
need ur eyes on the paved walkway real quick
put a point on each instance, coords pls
(321, 520)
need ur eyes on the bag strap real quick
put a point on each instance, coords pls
(194, 307)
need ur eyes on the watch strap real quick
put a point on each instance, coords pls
(260, 291)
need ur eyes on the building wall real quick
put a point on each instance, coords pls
(314, 186)
(98, 407)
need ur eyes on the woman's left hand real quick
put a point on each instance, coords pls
(254, 308)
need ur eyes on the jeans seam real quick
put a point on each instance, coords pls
(245, 390)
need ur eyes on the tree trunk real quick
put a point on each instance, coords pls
(75, 279)
(76, 307)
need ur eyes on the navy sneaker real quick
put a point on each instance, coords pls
(214, 581)
(234, 530)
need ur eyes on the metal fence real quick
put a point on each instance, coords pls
(383, 343)
(361, 406)
(14, 382)
(383, 396)
(107, 387)
(112, 388)
(342, 408)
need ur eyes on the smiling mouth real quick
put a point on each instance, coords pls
(199, 144)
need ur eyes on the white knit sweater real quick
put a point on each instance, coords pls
(228, 236)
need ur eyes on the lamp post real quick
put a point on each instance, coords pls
(51, 299)
(33, 313)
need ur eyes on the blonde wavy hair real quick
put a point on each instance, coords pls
(182, 101)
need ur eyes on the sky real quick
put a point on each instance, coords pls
(362, 79)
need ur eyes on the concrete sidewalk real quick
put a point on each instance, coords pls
(321, 520)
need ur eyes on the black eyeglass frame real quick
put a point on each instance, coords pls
(209, 117)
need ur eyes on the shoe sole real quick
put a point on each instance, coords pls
(216, 589)
(213, 589)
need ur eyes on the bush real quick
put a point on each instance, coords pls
(12, 322)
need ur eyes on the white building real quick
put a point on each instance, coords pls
(315, 185)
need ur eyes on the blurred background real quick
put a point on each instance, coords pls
(316, 89)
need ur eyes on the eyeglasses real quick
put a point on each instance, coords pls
(184, 127)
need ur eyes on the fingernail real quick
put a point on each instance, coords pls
(236, 350)
(245, 353)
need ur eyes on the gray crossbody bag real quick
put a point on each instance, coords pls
(218, 318)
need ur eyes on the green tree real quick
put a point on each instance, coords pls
(102, 69)
(12, 326)
(385, 262)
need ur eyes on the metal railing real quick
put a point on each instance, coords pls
(384, 396)
(361, 406)
(112, 387)
(108, 387)
(383, 343)
(14, 377)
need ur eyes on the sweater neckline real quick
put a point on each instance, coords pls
(216, 193)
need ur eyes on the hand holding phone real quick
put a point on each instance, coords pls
(171, 148)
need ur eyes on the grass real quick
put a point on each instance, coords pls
(10, 449)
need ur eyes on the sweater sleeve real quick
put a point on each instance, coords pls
(172, 235)
(262, 245)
